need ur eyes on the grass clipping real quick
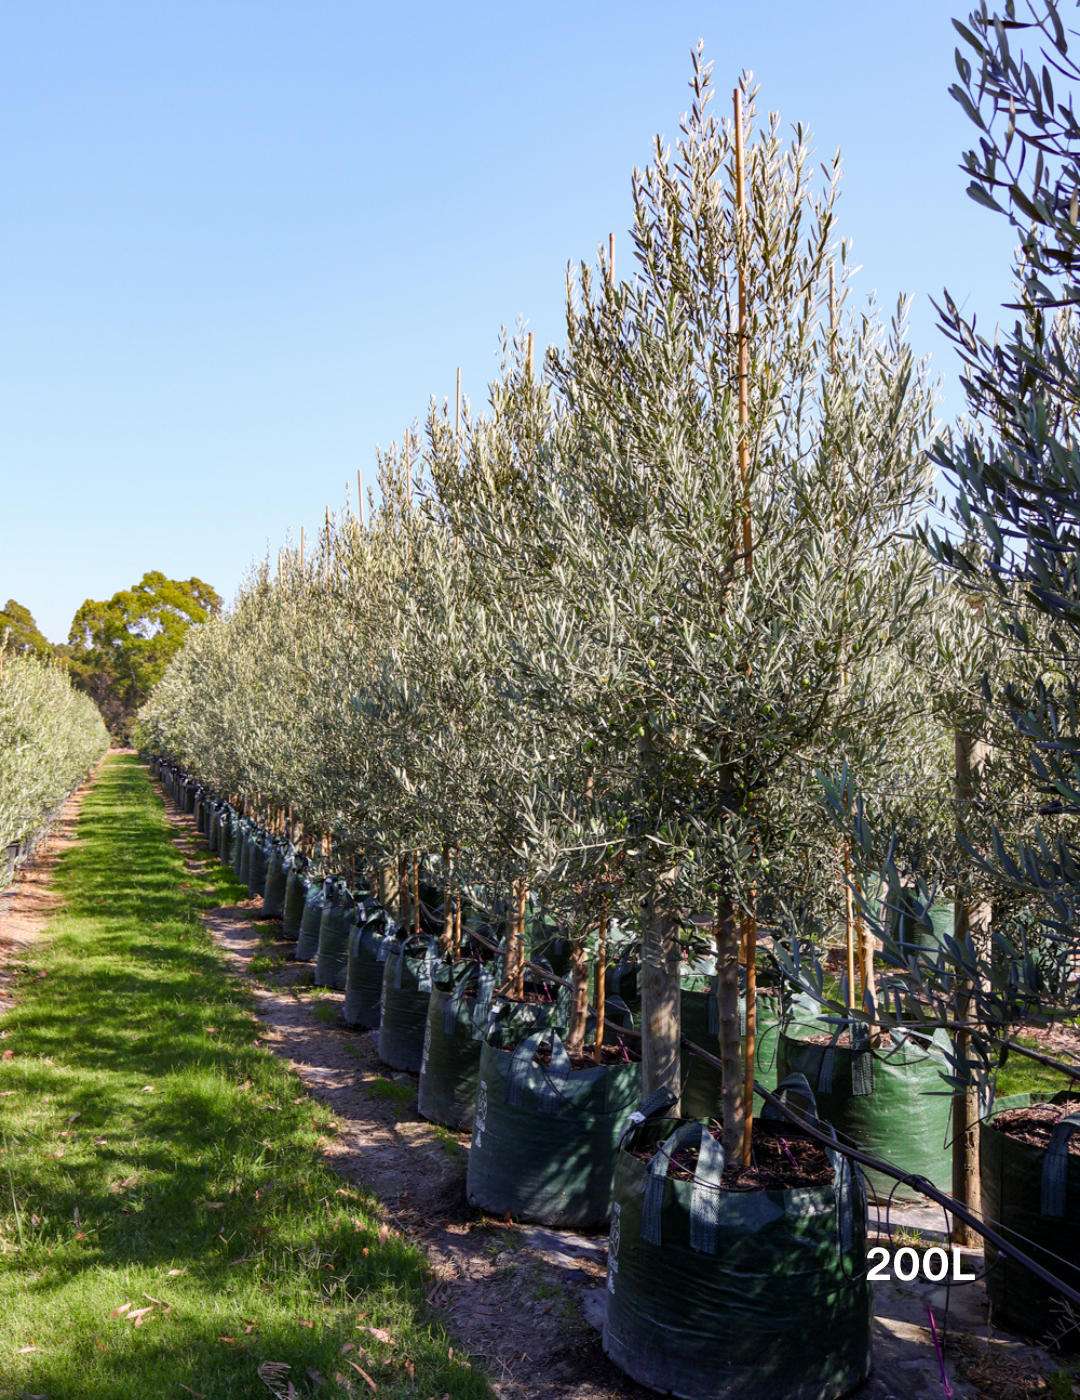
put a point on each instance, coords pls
(168, 1225)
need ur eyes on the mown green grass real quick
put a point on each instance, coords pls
(153, 1154)
(1022, 1076)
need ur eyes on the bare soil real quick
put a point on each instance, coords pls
(30, 901)
(779, 1162)
(1035, 1124)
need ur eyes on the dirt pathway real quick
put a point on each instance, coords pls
(30, 901)
(528, 1302)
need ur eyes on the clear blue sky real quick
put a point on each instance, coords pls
(241, 242)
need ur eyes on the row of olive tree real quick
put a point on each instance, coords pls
(600, 641)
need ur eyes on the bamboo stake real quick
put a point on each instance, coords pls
(611, 259)
(601, 974)
(521, 903)
(328, 549)
(416, 889)
(457, 408)
(301, 553)
(360, 496)
(529, 357)
(744, 351)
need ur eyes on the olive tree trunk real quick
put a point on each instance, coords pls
(660, 1002)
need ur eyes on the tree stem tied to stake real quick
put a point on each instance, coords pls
(749, 921)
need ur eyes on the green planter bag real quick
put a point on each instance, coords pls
(909, 931)
(258, 863)
(892, 1101)
(226, 835)
(277, 880)
(735, 1295)
(544, 1140)
(307, 940)
(369, 944)
(213, 828)
(296, 889)
(1033, 1194)
(701, 1023)
(240, 849)
(337, 922)
(453, 1035)
(408, 978)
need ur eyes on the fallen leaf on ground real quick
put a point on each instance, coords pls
(173, 1273)
(9, 1054)
(227, 1339)
(189, 1390)
(316, 1377)
(23, 1350)
(364, 1374)
(119, 1312)
(384, 1233)
(35, 1220)
(147, 1089)
(305, 1324)
(380, 1334)
(349, 1346)
(73, 1117)
(215, 1205)
(7, 1093)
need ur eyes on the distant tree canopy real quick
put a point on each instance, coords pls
(118, 650)
(19, 633)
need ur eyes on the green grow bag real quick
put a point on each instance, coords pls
(307, 940)
(735, 1295)
(890, 1101)
(910, 933)
(296, 889)
(240, 846)
(200, 814)
(213, 828)
(337, 922)
(258, 864)
(544, 1141)
(408, 977)
(1033, 1194)
(369, 943)
(454, 1036)
(277, 880)
(701, 1023)
(226, 835)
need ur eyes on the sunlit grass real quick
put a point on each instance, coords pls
(154, 1156)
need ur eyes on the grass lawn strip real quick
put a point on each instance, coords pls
(168, 1225)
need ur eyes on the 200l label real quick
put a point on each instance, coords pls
(906, 1265)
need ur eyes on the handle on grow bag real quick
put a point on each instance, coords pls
(862, 1059)
(794, 1084)
(705, 1198)
(485, 986)
(555, 1076)
(427, 965)
(1055, 1172)
(657, 1105)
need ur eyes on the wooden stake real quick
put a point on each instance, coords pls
(523, 896)
(416, 889)
(744, 348)
(360, 496)
(611, 259)
(327, 548)
(280, 574)
(457, 408)
(301, 553)
(601, 975)
(529, 357)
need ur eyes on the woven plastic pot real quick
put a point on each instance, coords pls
(369, 943)
(296, 888)
(890, 1101)
(726, 1295)
(544, 1140)
(277, 880)
(337, 922)
(307, 940)
(1033, 1194)
(407, 983)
